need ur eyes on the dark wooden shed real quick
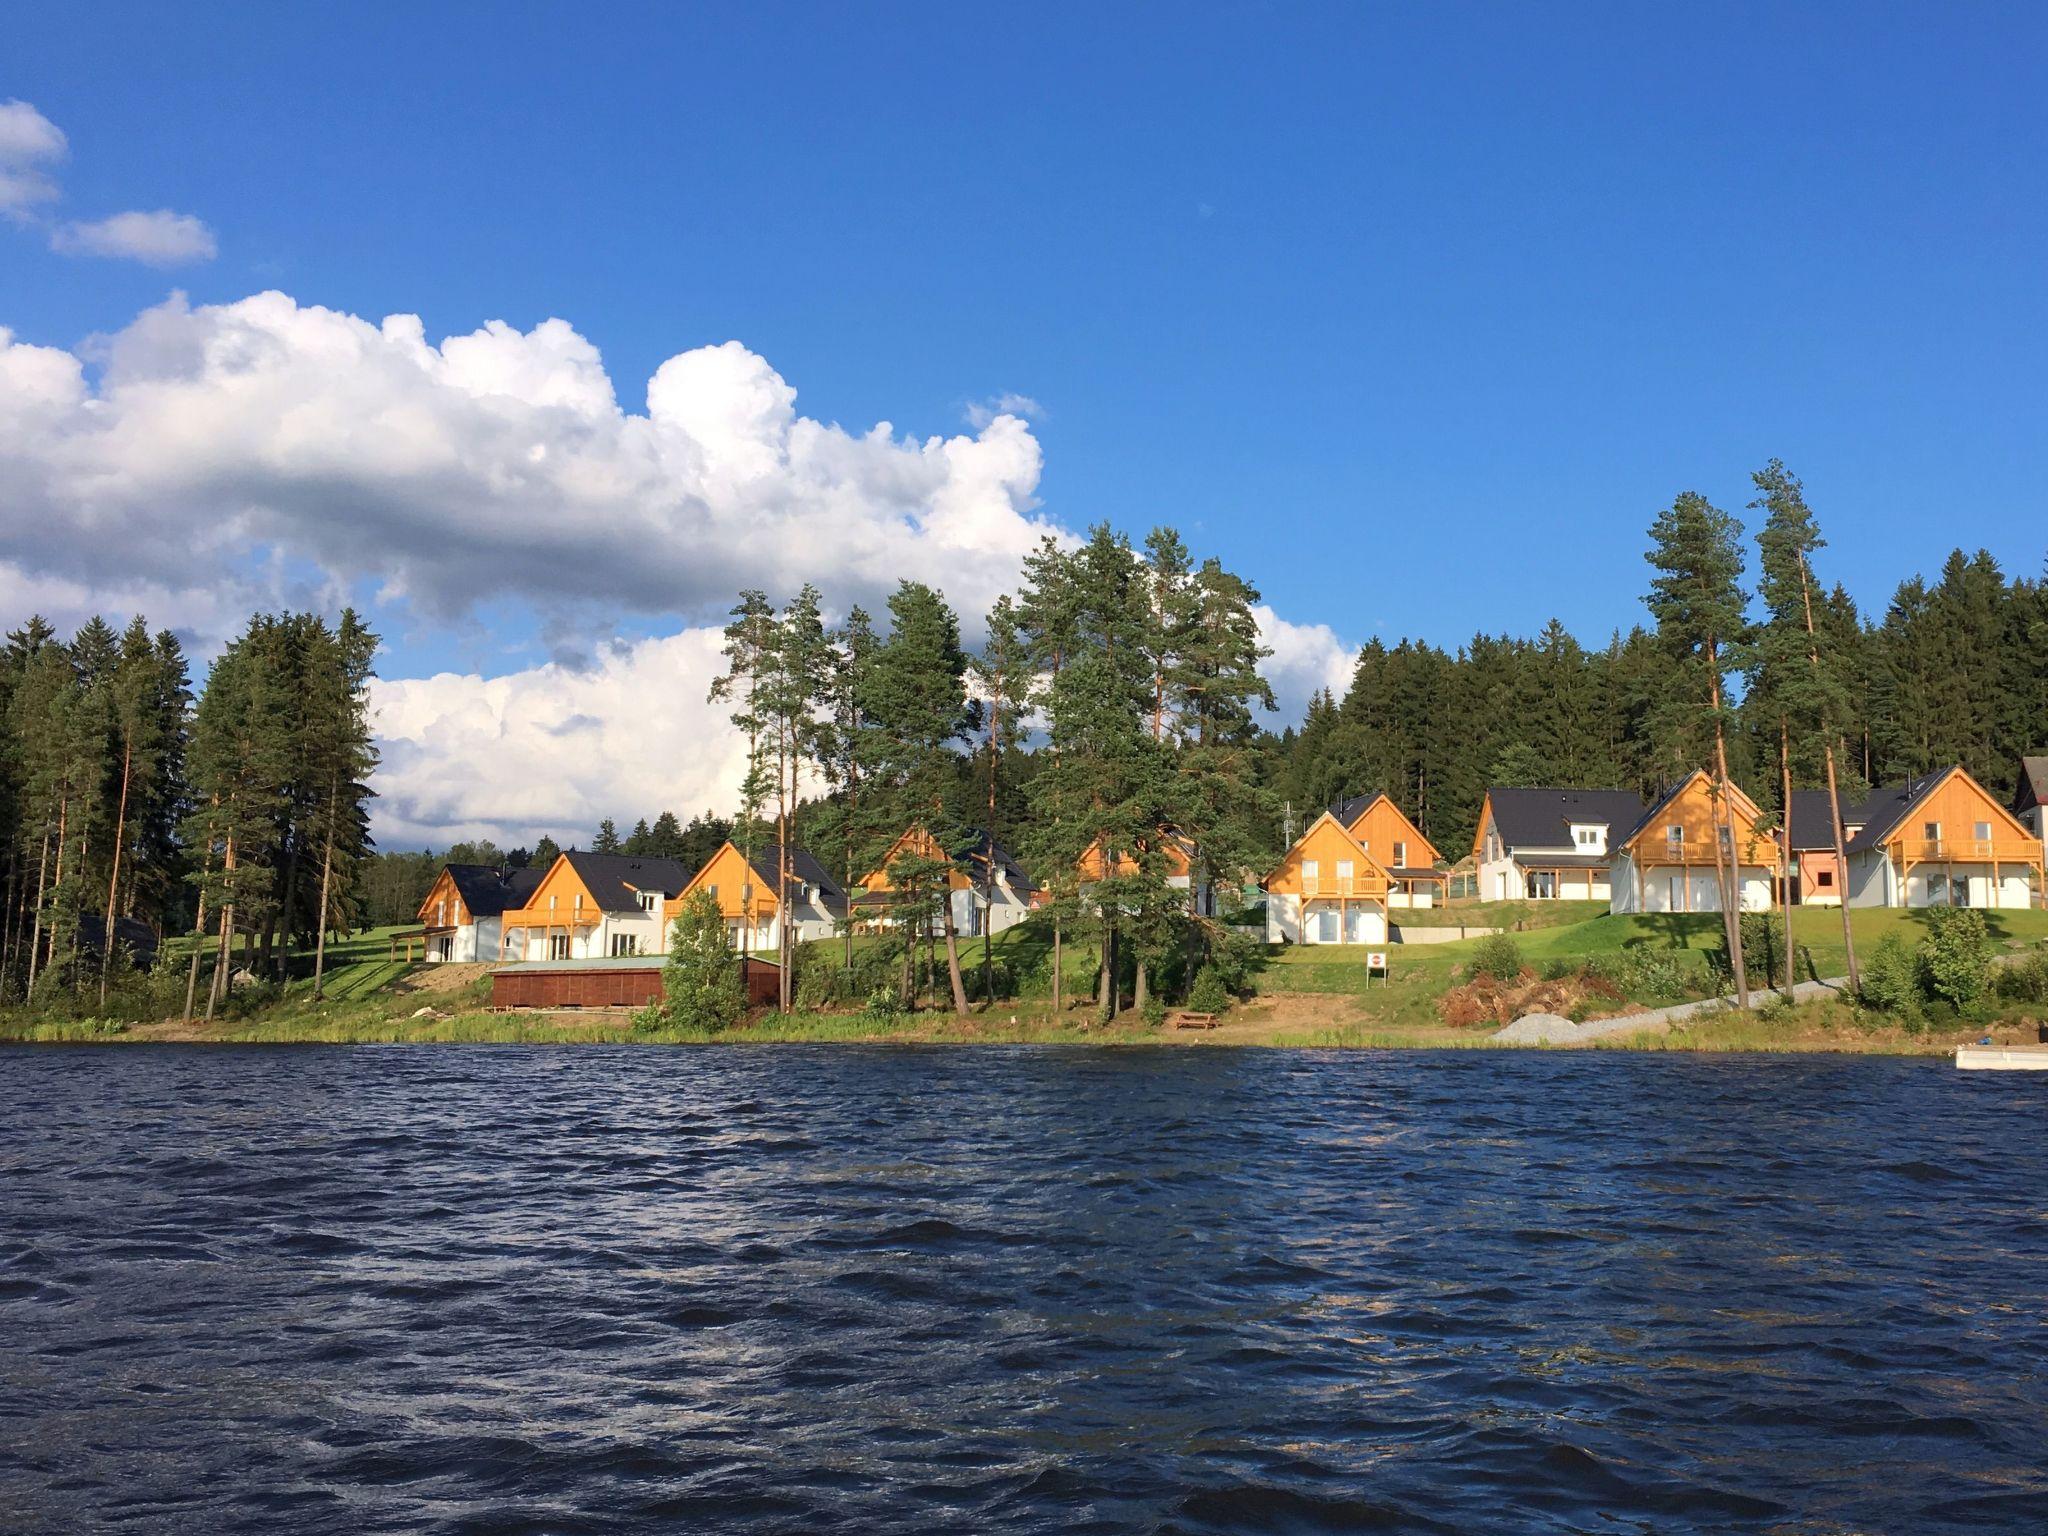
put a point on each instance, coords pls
(627, 982)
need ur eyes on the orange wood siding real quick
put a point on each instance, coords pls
(1956, 805)
(914, 843)
(730, 874)
(1381, 825)
(566, 887)
(1327, 844)
(1693, 810)
(453, 914)
(1091, 862)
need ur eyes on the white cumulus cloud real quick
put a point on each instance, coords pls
(207, 459)
(29, 145)
(554, 749)
(29, 142)
(159, 239)
(498, 463)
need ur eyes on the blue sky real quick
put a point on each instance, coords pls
(1415, 315)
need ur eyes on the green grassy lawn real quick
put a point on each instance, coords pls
(1498, 914)
(1305, 995)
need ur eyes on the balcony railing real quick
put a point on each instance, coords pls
(1334, 887)
(1972, 850)
(1698, 850)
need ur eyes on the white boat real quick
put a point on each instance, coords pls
(2002, 1058)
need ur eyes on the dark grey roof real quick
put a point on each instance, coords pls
(972, 850)
(487, 891)
(613, 878)
(1346, 811)
(133, 934)
(1887, 807)
(803, 868)
(1543, 818)
(1813, 828)
(2033, 786)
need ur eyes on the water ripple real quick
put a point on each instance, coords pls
(875, 1290)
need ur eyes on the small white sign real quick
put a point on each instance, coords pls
(1376, 959)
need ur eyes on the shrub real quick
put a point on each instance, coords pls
(700, 986)
(1154, 1011)
(1497, 956)
(884, 1003)
(2026, 982)
(1208, 994)
(1955, 957)
(1890, 983)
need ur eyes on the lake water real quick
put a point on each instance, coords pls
(503, 1289)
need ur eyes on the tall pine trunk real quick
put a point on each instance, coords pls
(1834, 791)
(114, 874)
(326, 885)
(35, 940)
(1059, 990)
(1785, 884)
(1724, 846)
(222, 957)
(952, 949)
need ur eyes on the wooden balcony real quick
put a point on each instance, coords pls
(1969, 850)
(1331, 888)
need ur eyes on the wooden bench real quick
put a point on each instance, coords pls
(1186, 1019)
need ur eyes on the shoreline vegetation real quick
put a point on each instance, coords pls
(1438, 997)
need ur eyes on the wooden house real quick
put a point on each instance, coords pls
(1550, 844)
(1814, 874)
(589, 906)
(1666, 862)
(1942, 840)
(745, 892)
(2030, 798)
(1409, 858)
(989, 889)
(1327, 889)
(1176, 857)
(462, 912)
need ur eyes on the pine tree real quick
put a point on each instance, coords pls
(1698, 603)
(607, 839)
(1788, 675)
(917, 701)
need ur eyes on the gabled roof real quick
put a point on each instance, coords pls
(1813, 826)
(2033, 787)
(1348, 811)
(487, 891)
(1746, 806)
(974, 851)
(614, 879)
(1888, 807)
(1294, 848)
(1543, 818)
(803, 868)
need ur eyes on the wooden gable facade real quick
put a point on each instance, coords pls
(1952, 844)
(1668, 864)
(913, 843)
(745, 900)
(561, 911)
(1327, 889)
(1398, 846)
(443, 909)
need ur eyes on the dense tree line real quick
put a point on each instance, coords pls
(1952, 672)
(239, 815)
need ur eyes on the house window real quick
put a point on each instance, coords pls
(713, 890)
(1932, 831)
(1343, 873)
(1311, 871)
(440, 914)
(551, 902)
(648, 900)
(1675, 835)
(1400, 855)
(625, 944)
(558, 946)
(1982, 832)
(1823, 878)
